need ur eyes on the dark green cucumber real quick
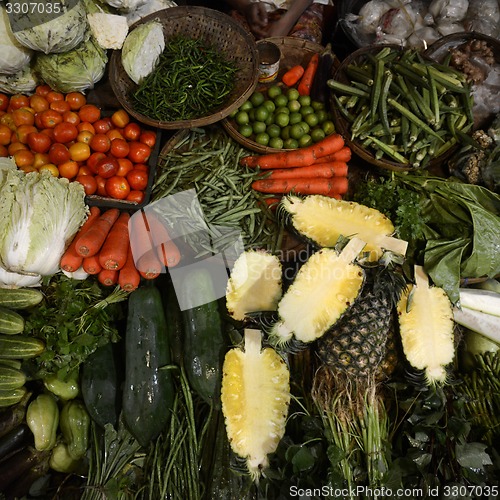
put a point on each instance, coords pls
(20, 298)
(11, 322)
(148, 389)
(204, 341)
(174, 322)
(20, 347)
(99, 384)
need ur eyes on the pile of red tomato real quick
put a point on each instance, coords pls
(71, 138)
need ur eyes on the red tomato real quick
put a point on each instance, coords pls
(68, 169)
(4, 102)
(125, 166)
(135, 196)
(23, 116)
(39, 142)
(5, 135)
(53, 96)
(100, 143)
(38, 103)
(89, 113)
(93, 159)
(24, 158)
(141, 166)
(107, 167)
(101, 185)
(84, 170)
(138, 179)
(65, 132)
(86, 126)
(79, 151)
(18, 101)
(148, 137)
(114, 133)
(139, 152)
(76, 100)
(120, 118)
(50, 118)
(23, 131)
(59, 153)
(3, 151)
(88, 182)
(41, 159)
(42, 90)
(71, 117)
(117, 187)
(132, 131)
(119, 148)
(84, 136)
(60, 106)
(103, 125)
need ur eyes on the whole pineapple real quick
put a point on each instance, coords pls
(357, 344)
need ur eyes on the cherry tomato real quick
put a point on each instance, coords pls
(119, 148)
(4, 102)
(79, 151)
(53, 96)
(148, 137)
(103, 125)
(71, 117)
(65, 132)
(60, 106)
(38, 103)
(50, 118)
(40, 159)
(125, 166)
(15, 146)
(42, 90)
(120, 118)
(101, 185)
(23, 131)
(86, 126)
(107, 167)
(117, 187)
(88, 182)
(84, 136)
(92, 161)
(24, 158)
(5, 135)
(138, 179)
(100, 143)
(139, 152)
(141, 166)
(49, 132)
(76, 100)
(135, 196)
(23, 116)
(58, 153)
(132, 131)
(39, 142)
(68, 169)
(18, 101)
(89, 113)
(114, 133)
(84, 170)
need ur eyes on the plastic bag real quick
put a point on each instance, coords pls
(483, 16)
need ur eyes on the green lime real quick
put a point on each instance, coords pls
(305, 140)
(246, 106)
(273, 130)
(305, 126)
(317, 134)
(297, 131)
(269, 119)
(259, 127)
(290, 144)
(306, 110)
(305, 100)
(285, 132)
(242, 118)
(233, 113)
(328, 127)
(317, 105)
(292, 94)
(294, 105)
(311, 119)
(274, 91)
(322, 115)
(295, 117)
(269, 105)
(251, 114)
(281, 100)
(276, 142)
(262, 139)
(245, 130)
(257, 98)
(261, 114)
(282, 109)
(282, 119)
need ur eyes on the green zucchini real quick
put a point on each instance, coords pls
(11, 397)
(148, 392)
(20, 298)
(204, 342)
(20, 347)
(174, 322)
(11, 322)
(11, 378)
(99, 384)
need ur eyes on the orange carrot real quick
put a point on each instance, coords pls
(113, 253)
(71, 260)
(108, 277)
(301, 157)
(91, 242)
(304, 186)
(128, 276)
(91, 264)
(293, 75)
(306, 81)
(331, 169)
(149, 265)
(343, 154)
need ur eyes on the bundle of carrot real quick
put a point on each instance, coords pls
(102, 247)
(321, 168)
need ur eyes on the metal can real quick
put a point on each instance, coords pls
(269, 61)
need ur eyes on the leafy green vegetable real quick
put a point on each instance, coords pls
(74, 319)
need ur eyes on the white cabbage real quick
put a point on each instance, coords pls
(110, 30)
(75, 71)
(148, 8)
(60, 34)
(13, 56)
(39, 215)
(22, 82)
(142, 49)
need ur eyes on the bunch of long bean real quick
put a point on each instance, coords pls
(208, 161)
(190, 79)
(404, 107)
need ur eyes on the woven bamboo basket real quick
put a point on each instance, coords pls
(214, 28)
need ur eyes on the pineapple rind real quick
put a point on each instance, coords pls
(426, 327)
(323, 289)
(255, 396)
(254, 284)
(323, 220)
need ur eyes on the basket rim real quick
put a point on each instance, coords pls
(172, 13)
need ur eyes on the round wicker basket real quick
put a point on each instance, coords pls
(214, 28)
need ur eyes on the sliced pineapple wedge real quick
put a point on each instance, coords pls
(254, 284)
(426, 326)
(322, 220)
(323, 289)
(255, 396)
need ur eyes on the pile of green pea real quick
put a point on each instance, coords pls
(281, 118)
